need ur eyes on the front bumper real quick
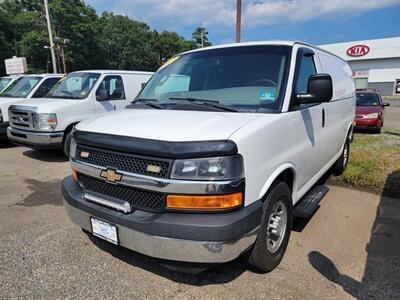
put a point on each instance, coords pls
(367, 123)
(176, 236)
(36, 140)
(3, 130)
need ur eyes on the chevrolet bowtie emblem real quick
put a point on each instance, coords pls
(153, 169)
(84, 154)
(111, 176)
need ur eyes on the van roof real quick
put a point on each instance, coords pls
(260, 43)
(116, 72)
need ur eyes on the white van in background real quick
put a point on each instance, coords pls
(46, 123)
(5, 81)
(21, 88)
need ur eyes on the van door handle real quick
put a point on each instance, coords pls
(323, 117)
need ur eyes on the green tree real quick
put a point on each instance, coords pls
(201, 34)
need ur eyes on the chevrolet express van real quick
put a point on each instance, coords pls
(217, 154)
(20, 89)
(47, 123)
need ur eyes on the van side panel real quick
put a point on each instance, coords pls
(340, 111)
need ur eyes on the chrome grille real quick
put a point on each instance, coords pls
(124, 162)
(137, 198)
(21, 119)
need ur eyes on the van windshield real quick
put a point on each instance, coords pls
(21, 87)
(74, 86)
(4, 82)
(243, 78)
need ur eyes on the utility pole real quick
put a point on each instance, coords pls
(53, 55)
(238, 19)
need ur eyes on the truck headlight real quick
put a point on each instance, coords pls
(211, 168)
(371, 116)
(47, 121)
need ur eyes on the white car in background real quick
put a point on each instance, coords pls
(20, 89)
(46, 123)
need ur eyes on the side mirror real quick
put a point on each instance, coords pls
(319, 89)
(102, 95)
(144, 85)
(385, 104)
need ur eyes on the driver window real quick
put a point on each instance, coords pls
(111, 88)
(307, 68)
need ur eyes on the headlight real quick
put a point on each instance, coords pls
(213, 168)
(72, 149)
(47, 121)
(371, 116)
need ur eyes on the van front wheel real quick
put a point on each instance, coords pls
(274, 233)
(66, 143)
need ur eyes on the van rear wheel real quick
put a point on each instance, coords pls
(341, 163)
(275, 228)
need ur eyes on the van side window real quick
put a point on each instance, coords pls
(307, 68)
(45, 87)
(111, 88)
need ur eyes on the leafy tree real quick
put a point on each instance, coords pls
(96, 42)
(199, 34)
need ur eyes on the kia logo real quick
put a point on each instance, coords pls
(358, 50)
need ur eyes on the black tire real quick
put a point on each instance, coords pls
(378, 130)
(260, 258)
(67, 143)
(341, 164)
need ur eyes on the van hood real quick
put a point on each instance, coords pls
(53, 105)
(169, 125)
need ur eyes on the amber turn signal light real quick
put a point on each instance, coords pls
(74, 175)
(204, 202)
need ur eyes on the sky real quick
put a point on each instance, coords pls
(313, 21)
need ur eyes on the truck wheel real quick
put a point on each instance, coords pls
(67, 143)
(273, 235)
(341, 163)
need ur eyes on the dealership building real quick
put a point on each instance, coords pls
(375, 63)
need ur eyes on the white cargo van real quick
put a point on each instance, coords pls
(47, 122)
(20, 89)
(217, 155)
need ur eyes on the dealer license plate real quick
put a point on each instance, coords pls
(104, 230)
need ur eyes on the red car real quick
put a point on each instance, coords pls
(370, 110)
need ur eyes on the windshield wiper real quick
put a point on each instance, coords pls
(149, 102)
(206, 102)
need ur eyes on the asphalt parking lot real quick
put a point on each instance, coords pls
(349, 248)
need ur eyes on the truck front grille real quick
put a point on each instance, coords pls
(137, 198)
(21, 119)
(123, 162)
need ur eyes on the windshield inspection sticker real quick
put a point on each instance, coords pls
(267, 96)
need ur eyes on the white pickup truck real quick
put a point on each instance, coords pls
(22, 88)
(217, 155)
(47, 122)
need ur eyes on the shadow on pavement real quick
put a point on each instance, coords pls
(46, 155)
(4, 144)
(218, 274)
(381, 279)
(42, 192)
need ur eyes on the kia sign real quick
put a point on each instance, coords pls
(358, 50)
